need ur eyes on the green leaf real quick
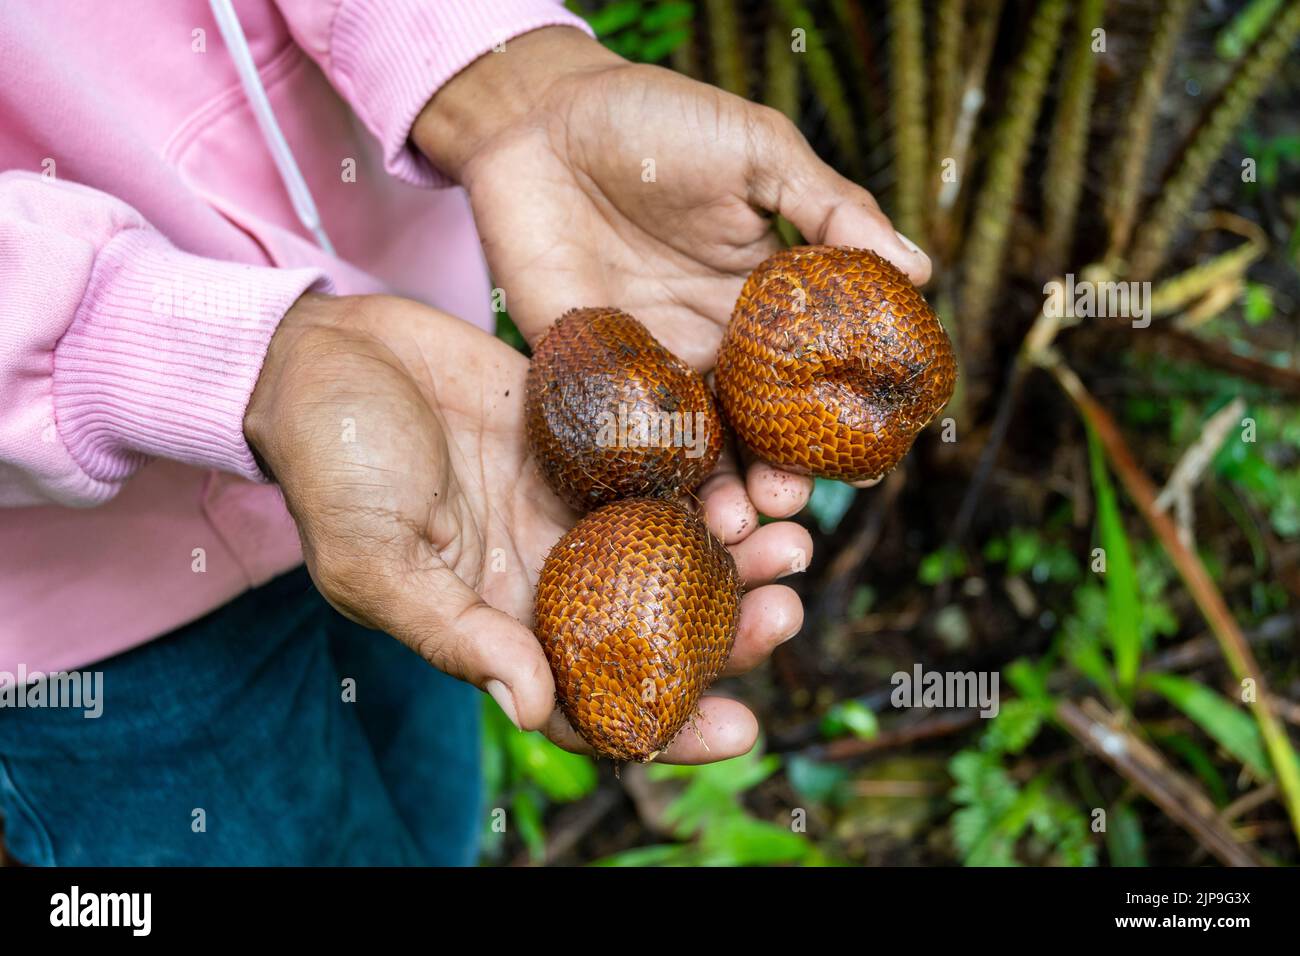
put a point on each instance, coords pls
(986, 795)
(526, 814)
(659, 854)
(830, 500)
(940, 566)
(1259, 303)
(712, 791)
(1082, 635)
(1200, 762)
(614, 17)
(1029, 679)
(1244, 29)
(744, 841)
(1124, 619)
(850, 717)
(1014, 728)
(1228, 725)
(1062, 827)
(657, 48)
(562, 776)
(665, 16)
(815, 781)
(508, 332)
(1124, 841)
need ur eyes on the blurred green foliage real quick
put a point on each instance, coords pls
(850, 717)
(1032, 553)
(1268, 468)
(524, 773)
(1228, 725)
(1244, 29)
(712, 825)
(509, 333)
(941, 565)
(645, 32)
(829, 503)
(1123, 618)
(1000, 823)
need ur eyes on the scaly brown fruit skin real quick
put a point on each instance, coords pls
(832, 363)
(637, 609)
(595, 376)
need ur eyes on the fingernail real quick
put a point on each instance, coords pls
(505, 700)
(908, 244)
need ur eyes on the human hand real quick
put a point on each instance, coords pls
(555, 139)
(396, 434)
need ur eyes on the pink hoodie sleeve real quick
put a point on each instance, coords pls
(388, 57)
(116, 347)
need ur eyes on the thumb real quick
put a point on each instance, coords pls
(789, 178)
(448, 624)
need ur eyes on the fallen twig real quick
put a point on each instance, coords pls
(935, 724)
(1180, 799)
(1187, 472)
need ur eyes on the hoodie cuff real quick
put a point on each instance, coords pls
(390, 56)
(162, 356)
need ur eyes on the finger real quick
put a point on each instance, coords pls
(773, 551)
(455, 630)
(725, 504)
(769, 616)
(777, 493)
(790, 179)
(867, 483)
(561, 733)
(721, 728)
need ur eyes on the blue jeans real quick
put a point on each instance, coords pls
(229, 741)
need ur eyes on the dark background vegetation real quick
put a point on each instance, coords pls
(1126, 734)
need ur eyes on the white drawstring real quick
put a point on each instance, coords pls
(290, 174)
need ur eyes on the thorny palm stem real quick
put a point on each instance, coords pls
(1134, 140)
(724, 39)
(1211, 135)
(1066, 156)
(907, 83)
(1008, 151)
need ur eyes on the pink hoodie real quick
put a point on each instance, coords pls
(148, 247)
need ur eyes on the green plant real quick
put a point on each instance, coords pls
(1001, 823)
(646, 32)
(523, 774)
(712, 825)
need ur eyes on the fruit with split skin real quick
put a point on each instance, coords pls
(832, 363)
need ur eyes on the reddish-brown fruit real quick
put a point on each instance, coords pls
(832, 363)
(613, 414)
(637, 608)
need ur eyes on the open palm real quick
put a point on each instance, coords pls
(635, 187)
(396, 433)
